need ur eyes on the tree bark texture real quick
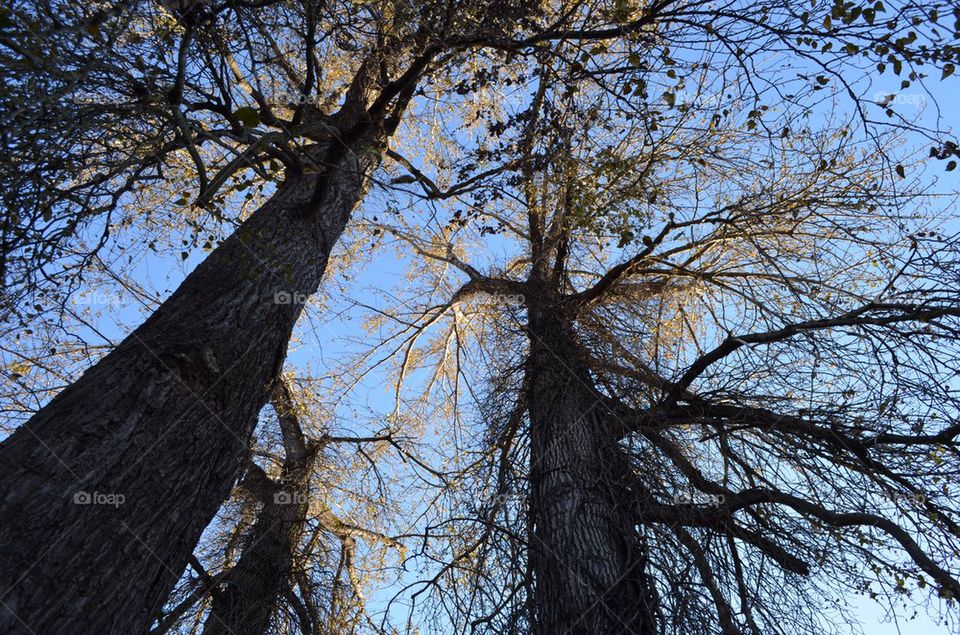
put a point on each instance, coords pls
(106, 490)
(587, 556)
(246, 601)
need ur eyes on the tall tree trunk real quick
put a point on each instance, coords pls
(106, 490)
(244, 604)
(587, 557)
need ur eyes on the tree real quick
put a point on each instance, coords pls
(222, 335)
(722, 388)
(163, 421)
(247, 600)
(279, 528)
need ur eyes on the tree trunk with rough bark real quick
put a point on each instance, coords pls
(106, 490)
(587, 557)
(246, 601)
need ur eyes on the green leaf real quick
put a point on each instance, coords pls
(900, 171)
(670, 98)
(951, 166)
(948, 71)
(250, 117)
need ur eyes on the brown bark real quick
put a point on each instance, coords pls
(163, 421)
(587, 556)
